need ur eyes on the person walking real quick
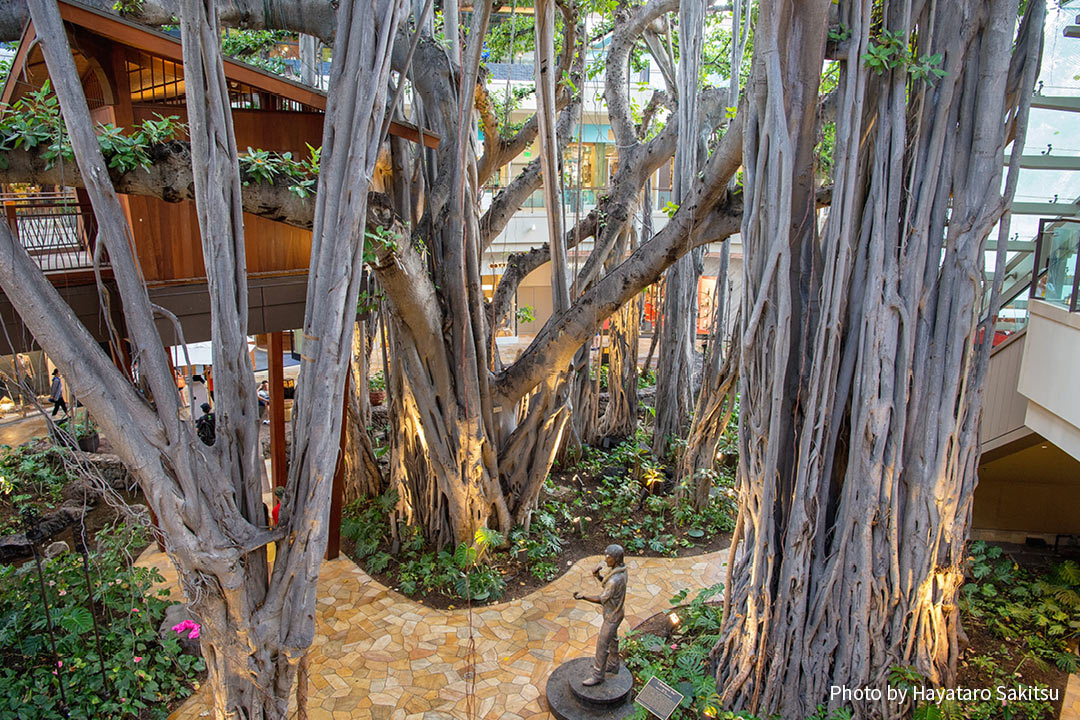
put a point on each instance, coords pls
(56, 394)
(206, 425)
(181, 385)
(264, 401)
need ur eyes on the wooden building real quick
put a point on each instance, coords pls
(132, 73)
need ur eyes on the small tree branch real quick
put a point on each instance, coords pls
(630, 25)
(510, 198)
(498, 150)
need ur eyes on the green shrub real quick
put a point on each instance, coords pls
(29, 478)
(631, 505)
(680, 660)
(144, 673)
(1039, 610)
(455, 572)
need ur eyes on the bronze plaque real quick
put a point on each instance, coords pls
(659, 698)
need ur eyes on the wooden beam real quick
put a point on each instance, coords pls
(274, 352)
(409, 132)
(17, 63)
(158, 43)
(337, 493)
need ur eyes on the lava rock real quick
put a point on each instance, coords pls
(79, 489)
(14, 547)
(56, 549)
(112, 470)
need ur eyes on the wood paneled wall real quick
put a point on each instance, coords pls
(167, 234)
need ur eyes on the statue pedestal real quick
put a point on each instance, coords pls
(568, 699)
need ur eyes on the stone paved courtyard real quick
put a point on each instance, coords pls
(379, 654)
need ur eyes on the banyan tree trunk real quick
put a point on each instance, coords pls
(581, 428)
(363, 478)
(860, 373)
(620, 416)
(712, 415)
(675, 365)
(459, 459)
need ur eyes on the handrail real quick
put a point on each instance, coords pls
(58, 235)
(1056, 259)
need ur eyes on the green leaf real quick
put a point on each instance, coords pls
(77, 620)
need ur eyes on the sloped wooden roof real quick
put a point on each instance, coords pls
(28, 62)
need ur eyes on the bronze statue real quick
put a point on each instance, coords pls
(611, 598)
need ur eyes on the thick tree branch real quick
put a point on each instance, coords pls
(636, 165)
(510, 198)
(629, 27)
(311, 17)
(498, 150)
(519, 265)
(168, 178)
(555, 345)
(402, 275)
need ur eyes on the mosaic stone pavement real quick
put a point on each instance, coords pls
(1070, 708)
(378, 654)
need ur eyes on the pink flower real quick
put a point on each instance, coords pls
(59, 663)
(186, 625)
(63, 593)
(138, 658)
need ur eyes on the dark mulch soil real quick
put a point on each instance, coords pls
(520, 582)
(1010, 654)
(99, 514)
(1028, 671)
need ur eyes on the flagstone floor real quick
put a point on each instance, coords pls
(1070, 709)
(378, 654)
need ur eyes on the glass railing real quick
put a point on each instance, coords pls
(574, 199)
(1052, 261)
(1056, 260)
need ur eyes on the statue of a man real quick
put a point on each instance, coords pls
(611, 598)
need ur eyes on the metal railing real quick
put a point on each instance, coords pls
(1056, 255)
(1047, 271)
(584, 198)
(57, 232)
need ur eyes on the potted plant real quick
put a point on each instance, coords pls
(87, 436)
(377, 388)
(73, 433)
